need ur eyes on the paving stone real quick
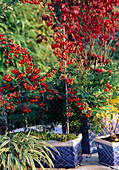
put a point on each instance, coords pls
(89, 163)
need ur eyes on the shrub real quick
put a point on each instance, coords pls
(22, 151)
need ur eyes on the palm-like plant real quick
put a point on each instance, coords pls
(22, 151)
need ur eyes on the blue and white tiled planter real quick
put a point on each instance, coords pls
(108, 152)
(88, 143)
(70, 153)
(88, 136)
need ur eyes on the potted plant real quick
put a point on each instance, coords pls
(24, 89)
(79, 39)
(67, 152)
(70, 153)
(23, 152)
(94, 91)
(107, 117)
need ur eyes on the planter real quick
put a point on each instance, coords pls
(88, 143)
(108, 152)
(70, 153)
(88, 136)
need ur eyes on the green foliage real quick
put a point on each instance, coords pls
(75, 124)
(22, 23)
(15, 120)
(91, 85)
(22, 151)
(51, 136)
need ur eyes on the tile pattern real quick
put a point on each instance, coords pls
(68, 157)
(88, 145)
(107, 154)
(92, 144)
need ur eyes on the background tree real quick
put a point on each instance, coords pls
(23, 23)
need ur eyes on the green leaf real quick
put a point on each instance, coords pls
(93, 113)
(17, 162)
(19, 38)
(3, 25)
(4, 150)
(3, 156)
(114, 112)
(9, 161)
(31, 33)
(31, 161)
(24, 155)
(37, 153)
(28, 161)
(97, 109)
(15, 146)
(12, 165)
(4, 143)
(39, 163)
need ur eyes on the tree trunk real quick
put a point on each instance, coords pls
(25, 120)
